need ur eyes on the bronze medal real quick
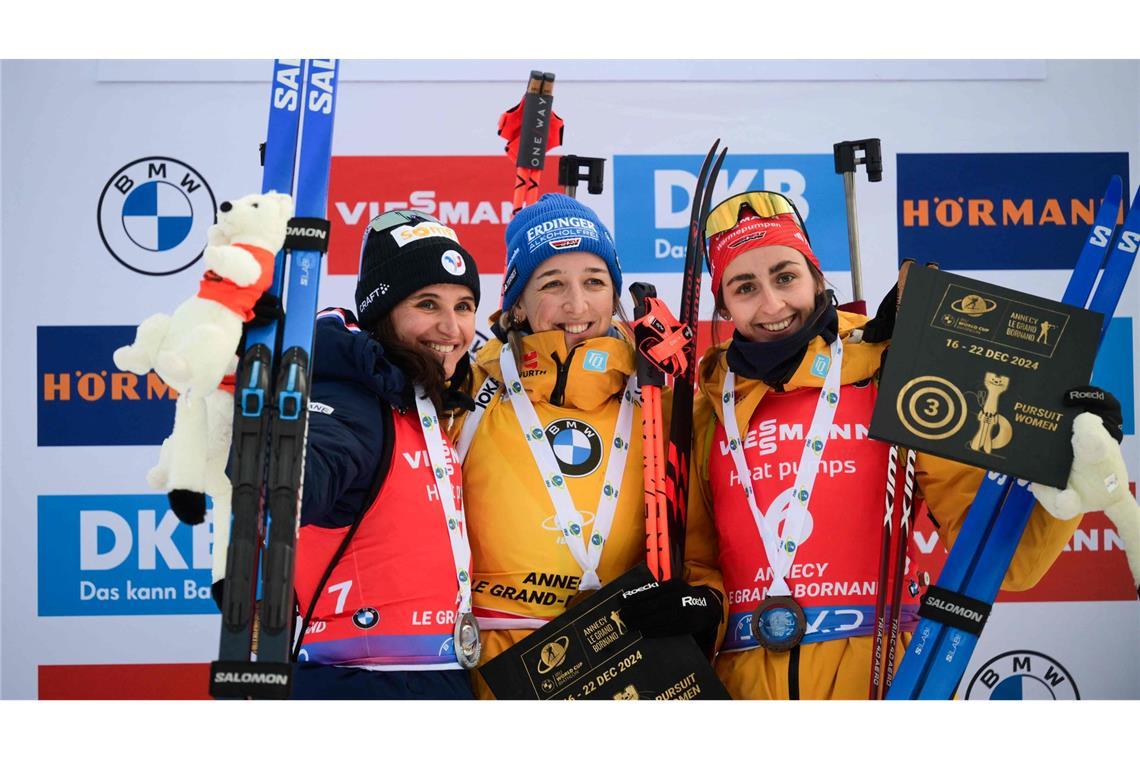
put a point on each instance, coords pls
(778, 623)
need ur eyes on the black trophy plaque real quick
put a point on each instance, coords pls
(588, 652)
(976, 373)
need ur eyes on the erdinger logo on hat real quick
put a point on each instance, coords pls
(453, 263)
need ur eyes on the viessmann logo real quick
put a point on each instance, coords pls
(153, 215)
(84, 400)
(470, 194)
(1001, 210)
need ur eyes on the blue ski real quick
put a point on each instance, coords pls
(970, 580)
(271, 400)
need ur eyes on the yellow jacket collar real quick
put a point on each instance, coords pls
(598, 369)
(860, 361)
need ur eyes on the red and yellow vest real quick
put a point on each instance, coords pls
(391, 600)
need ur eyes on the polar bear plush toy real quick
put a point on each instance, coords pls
(1097, 481)
(192, 350)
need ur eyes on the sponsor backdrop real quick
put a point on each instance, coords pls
(993, 170)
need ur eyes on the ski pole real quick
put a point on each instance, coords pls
(531, 128)
(570, 174)
(846, 159)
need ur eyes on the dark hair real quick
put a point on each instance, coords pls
(420, 367)
(718, 306)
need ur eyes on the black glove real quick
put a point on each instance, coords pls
(187, 506)
(674, 608)
(266, 311)
(881, 326)
(1089, 398)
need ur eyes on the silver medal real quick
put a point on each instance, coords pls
(468, 647)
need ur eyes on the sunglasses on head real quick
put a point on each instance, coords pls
(390, 220)
(764, 203)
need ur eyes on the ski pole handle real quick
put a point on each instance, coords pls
(846, 159)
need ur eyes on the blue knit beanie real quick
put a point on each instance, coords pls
(555, 224)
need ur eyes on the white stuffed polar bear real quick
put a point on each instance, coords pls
(1097, 481)
(192, 348)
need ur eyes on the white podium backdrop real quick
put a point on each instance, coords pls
(103, 592)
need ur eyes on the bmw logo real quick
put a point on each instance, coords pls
(366, 618)
(596, 540)
(153, 215)
(426, 421)
(557, 480)
(463, 576)
(516, 387)
(576, 445)
(727, 397)
(608, 490)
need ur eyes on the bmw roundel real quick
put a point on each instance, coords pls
(153, 215)
(576, 445)
(366, 618)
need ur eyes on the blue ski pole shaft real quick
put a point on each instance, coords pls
(308, 240)
(251, 416)
(927, 643)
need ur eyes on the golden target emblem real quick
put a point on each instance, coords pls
(931, 407)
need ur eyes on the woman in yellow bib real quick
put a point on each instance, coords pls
(552, 464)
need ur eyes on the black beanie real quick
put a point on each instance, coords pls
(399, 261)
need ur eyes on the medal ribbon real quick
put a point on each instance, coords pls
(781, 550)
(588, 554)
(456, 530)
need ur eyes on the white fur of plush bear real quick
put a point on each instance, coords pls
(1098, 481)
(191, 348)
(194, 456)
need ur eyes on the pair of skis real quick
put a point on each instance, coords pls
(666, 346)
(954, 611)
(271, 398)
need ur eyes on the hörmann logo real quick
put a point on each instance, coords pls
(153, 215)
(653, 198)
(84, 400)
(1002, 210)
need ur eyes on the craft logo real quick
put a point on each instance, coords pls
(153, 215)
(576, 446)
(121, 555)
(469, 194)
(653, 197)
(84, 400)
(1001, 210)
(1022, 675)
